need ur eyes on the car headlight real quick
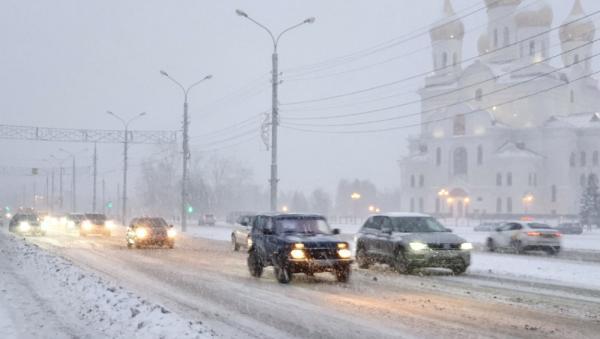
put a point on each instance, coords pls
(171, 233)
(466, 246)
(418, 246)
(141, 233)
(297, 254)
(344, 253)
(24, 226)
(71, 224)
(249, 242)
(109, 224)
(86, 225)
(45, 225)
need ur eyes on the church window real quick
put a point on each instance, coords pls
(506, 36)
(421, 205)
(478, 94)
(553, 193)
(460, 161)
(595, 159)
(530, 180)
(509, 179)
(412, 180)
(459, 124)
(498, 205)
(454, 59)
(498, 179)
(509, 205)
(479, 155)
(583, 159)
(535, 179)
(421, 180)
(572, 96)
(438, 156)
(496, 37)
(572, 159)
(444, 60)
(531, 48)
(576, 59)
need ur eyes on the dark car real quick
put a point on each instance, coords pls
(570, 228)
(95, 223)
(487, 226)
(148, 231)
(297, 243)
(407, 241)
(26, 224)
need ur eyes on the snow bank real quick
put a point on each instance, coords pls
(98, 304)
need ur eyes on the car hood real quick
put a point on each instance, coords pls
(429, 237)
(312, 241)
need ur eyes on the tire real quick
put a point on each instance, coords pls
(283, 274)
(401, 264)
(458, 270)
(171, 244)
(129, 245)
(342, 274)
(362, 258)
(234, 244)
(551, 250)
(490, 245)
(517, 246)
(254, 265)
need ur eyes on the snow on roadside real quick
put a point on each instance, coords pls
(95, 302)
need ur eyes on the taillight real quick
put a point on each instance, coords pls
(557, 235)
(534, 234)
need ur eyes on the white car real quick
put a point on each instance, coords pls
(240, 237)
(521, 236)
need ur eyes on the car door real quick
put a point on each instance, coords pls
(258, 237)
(369, 236)
(386, 244)
(505, 235)
(270, 236)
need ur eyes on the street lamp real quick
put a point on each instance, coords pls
(274, 102)
(125, 146)
(527, 201)
(74, 174)
(186, 149)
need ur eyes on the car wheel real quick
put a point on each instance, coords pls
(401, 264)
(254, 265)
(129, 245)
(491, 246)
(342, 274)
(171, 244)
(234, 244)
(458, 270)
(283, 274)
(517, 246)
(551, 250)
(362, 258)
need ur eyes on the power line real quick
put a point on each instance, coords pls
(459, 89)
(423, 74)
(442, 119)
(230, 127)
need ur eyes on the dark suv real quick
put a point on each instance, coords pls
(147, 231)
(297, 243)
(409, 240)
(27, 223)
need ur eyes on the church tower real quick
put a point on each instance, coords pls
(447, 40)
(533, 21)
(501, 32)
(576, 36)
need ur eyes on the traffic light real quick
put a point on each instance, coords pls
(7, 209)
(190, 209)
(109, 205)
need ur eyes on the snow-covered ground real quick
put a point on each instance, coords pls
(46, 296)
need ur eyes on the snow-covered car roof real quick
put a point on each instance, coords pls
(402, 214)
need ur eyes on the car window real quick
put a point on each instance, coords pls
(302, 225)
(536, 225)
(416, 225)
(386, 224)
(515, 227)
(376, 223)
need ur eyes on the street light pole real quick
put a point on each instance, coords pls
(274, 101)
(125, 149)
(186, 148)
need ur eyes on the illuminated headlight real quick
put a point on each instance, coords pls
(418, 246)
(141, 233)
(45, 225)
(8, 215)
(466, 246)
(249, 242)
(71, 224)
(109, 224)
(171, 233)
(298, 254)
(86, 225)
(344, 253)
(24, 227)
(342, 245)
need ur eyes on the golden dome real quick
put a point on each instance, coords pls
(538, 14)
(581, 30)
(483, 44)
(449, 26)
(499, 3)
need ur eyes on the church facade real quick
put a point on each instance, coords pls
(514, 131)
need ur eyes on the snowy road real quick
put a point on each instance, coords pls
(201, 279)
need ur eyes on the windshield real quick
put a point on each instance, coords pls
(302, 225)
(29, 218)
(416, 225)
(536, 226)
(154, 222)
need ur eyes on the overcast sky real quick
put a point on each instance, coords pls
(64, 63)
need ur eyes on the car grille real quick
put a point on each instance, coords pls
(444, 247)
(322, 253)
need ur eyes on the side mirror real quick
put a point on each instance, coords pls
(336, 231)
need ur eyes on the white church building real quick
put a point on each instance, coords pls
(514, 131)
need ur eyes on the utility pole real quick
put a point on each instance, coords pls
(74, 188)
(125, 149)
(274, 101)
(103, 196)
(186, 149)
(95, 176)
(47, 197)
(119, 198)
(60, 181)
(52, 201)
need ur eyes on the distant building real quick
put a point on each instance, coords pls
(482, 152)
